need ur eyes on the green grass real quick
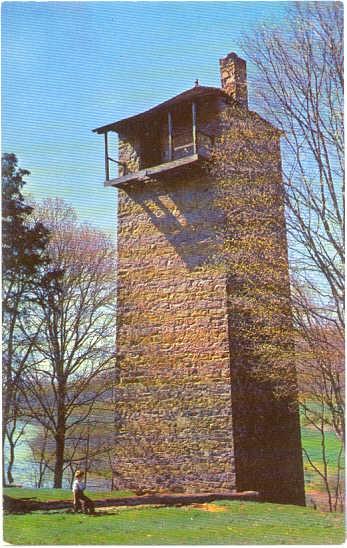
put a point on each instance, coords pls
(311, 441)
(60, 494)
(230, 522)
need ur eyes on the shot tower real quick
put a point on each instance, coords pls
(186, 419)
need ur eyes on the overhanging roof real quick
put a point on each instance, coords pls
(194, 93)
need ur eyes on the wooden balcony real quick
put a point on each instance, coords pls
(167, 137)
(164, 170)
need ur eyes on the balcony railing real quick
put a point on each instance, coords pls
(173, 157)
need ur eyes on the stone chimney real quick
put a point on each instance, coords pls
(234, 77)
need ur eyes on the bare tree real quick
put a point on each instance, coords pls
(299, 84)
(88, 445)
(75, 315)
(320, 363)
(91, 444)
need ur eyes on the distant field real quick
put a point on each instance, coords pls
(223, 522)
(311, 440)
(314, 487)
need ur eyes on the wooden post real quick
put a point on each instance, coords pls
(107, 167)
(194, 126)
(169, 124)
(87, 455)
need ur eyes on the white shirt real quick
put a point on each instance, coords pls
(78, 485)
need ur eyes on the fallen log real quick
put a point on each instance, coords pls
(15, 506)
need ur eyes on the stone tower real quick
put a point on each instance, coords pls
(185, 419)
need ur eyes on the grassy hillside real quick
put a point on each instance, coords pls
(223, 522)
(314, 487)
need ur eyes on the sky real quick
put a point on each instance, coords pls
(68, 67)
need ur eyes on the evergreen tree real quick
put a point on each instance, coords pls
(23, 252)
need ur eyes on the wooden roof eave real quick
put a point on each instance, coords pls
(193, 94)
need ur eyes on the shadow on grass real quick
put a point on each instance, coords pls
(98, 513)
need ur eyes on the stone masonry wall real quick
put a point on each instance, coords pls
(189, 417)
(266, 428)
(129, 153)
(174, 399)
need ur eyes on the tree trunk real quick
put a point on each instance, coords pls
(61, 429)
(7, 396)
(60, 441)
(42, 471)
(3, 458)
(59, 459)
(10, 460)
(23, 505)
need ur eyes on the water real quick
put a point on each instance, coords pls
(25, 470)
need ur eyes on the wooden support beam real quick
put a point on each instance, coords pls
(107, 167)
(194, 126)
(155, 171)
(170, 135)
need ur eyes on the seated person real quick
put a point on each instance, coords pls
(78, 487)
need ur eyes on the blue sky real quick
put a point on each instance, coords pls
(69, 67)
